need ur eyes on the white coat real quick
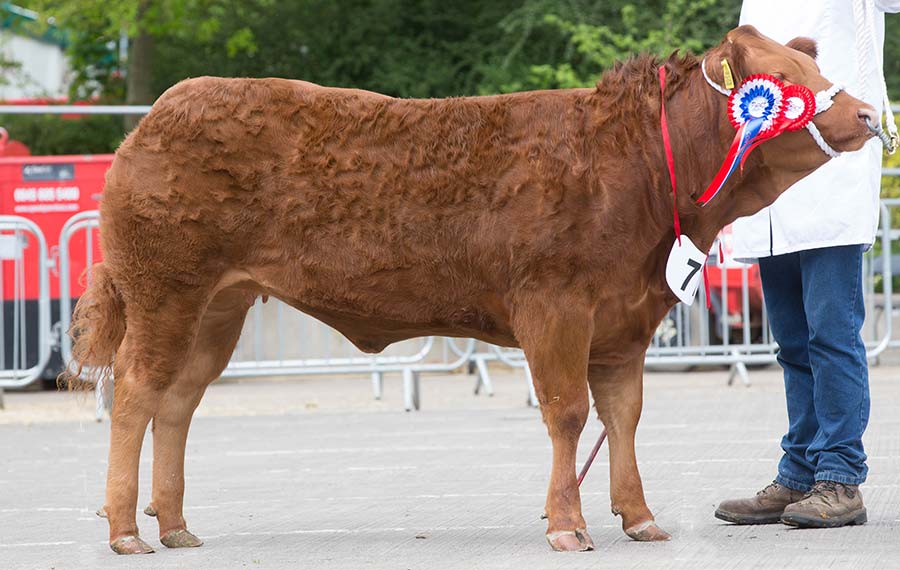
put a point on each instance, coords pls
(838, 204)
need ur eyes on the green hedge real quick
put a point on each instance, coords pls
(52, 134)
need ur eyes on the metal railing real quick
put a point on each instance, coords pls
(886, 306)
(74, 109)
(265, 348)
(24, 352)
(687, 337)
(88, 222)
(691, 336)
(693, 344)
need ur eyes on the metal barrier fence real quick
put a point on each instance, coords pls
(25, 316)
(738, 335)
(885, 304)
(278, 342)
(690, 337)
(687, 337)
(89, 223)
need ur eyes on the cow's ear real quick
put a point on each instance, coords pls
(736, 54)
(735, 48)
(805, 45)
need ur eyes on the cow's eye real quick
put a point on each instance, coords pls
(778, 75)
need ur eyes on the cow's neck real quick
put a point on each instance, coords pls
(699, 149)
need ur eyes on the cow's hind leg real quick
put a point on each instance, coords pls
(557, 342)
(219, 330)
(152, 353)
(133, 406)
(618, 395)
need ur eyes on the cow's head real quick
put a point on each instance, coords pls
(843, 126)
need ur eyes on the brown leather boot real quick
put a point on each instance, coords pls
(828, 504)
(765, 508)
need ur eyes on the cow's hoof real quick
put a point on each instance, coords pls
(180, 539)
(150, 511)
(101, 512)
(130, 545)
(577, 540)
(647, 531)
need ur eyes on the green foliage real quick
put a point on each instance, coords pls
(892, 55)
(9, 69)
(98, 32)
(52, 134)
(407, 48)
(580, 39)
(429, 48)
(890, 186)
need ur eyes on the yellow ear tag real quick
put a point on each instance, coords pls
(726, 72)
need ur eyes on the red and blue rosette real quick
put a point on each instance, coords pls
(762, 107)
(799, 107)
(757, 97)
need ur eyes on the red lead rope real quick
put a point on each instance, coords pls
(667, 144)
(591, 457)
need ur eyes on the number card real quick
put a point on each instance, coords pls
(683, 269)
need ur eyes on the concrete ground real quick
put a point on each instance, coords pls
(312, 473)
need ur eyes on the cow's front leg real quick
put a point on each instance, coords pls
(557, 343)
(618, 395)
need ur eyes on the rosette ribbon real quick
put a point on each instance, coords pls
(761, 108)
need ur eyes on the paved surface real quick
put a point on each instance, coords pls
(313, 474)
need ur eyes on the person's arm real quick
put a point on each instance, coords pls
(892, 6)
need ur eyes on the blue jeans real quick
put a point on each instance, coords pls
(815, 303)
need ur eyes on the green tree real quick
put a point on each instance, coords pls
(580, 39)
(406, 48)
(892, 55)
(409, 48)
(100, 29)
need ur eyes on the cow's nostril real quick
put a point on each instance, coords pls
(868, 115)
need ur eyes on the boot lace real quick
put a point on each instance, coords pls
(822, 489)
(771, 486)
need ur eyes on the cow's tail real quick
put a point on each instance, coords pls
(98, 327)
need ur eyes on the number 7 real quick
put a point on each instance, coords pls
(696, 267)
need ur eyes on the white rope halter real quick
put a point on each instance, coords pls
(824, 101)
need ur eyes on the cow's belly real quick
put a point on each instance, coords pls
(374, 333)
(374, 318)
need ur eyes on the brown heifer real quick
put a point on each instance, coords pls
(541, 220)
